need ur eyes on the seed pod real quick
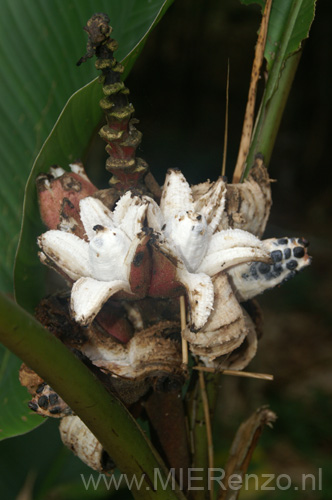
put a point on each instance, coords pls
(288, 256)
(48, 403)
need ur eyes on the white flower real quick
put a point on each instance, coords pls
(189, 236)
(186, 249)
(100, 267)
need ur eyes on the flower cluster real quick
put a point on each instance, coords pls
(182, 246)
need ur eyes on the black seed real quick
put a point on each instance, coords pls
(138, 259)
(56, 410)
(32, 406)
(277, 270)
(40, 388)
(43, 402)
(264, 268)
(253, 271)
(287, 253)
(198, 217)
(98, 227)
(53, 399)
(283, 241)
(298, 252)
(291, 265)
(193, 228)
(276, 256)
(164, 227)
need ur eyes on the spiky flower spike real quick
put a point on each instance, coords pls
(120, 133)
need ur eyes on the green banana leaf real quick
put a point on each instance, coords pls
(14, 417)
(41, 43)
(289, 25)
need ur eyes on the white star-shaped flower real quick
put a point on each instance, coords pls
(101, 266)
(190, 236)
(186, 249)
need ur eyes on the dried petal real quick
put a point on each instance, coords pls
(94, 213)
(199, 289)
(107, 254)
(129, 213)
(226, 308)
(88, 296)
(225, 329)
(155, 218)
(176, 195)
(80, 440)
(67, 251)
(152, 352)
(248, 203)
(212, 204)
(229, 248)
(240, 357)
(188, 232)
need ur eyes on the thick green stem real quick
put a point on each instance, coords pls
(270, 115)
(279, 82)
(105, 416)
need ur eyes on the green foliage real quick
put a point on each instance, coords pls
(289, 25)
(40, 45)
(14, 416)
(55, 50)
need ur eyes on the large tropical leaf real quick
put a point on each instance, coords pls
(289, 25)
(15, 417)
(53, 38)
(67, 141)
(40, 42)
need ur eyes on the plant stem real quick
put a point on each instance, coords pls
(270, 114)
(250, 109)
(105, 416)
(197, 422)
(207, 418)
(279, 82)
